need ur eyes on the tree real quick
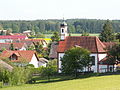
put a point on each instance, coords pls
(15, 28)
(114, 54)
(71, 29)
(78, 29)
(1, 28)
(85, 33)
(75, 59)
(11, 47)
(55, 37)
(107, 34)
(118, 36)
(23, 27)
(9, 30)
(49, 71)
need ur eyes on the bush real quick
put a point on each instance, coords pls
(49, 71)
(18, 76)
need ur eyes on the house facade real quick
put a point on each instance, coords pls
(22, 57)
(10, 38)
(16, 46)
(92, 43)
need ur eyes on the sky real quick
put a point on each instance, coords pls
(57, 9)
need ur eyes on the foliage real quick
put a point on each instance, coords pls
(11, 47)
(114, 54)
(85, 33)
(74, 60)
(118, 36)
(50, 26)
(49, 71)
(18, 76)
(55, 37)
(107, 34)
(90, 83)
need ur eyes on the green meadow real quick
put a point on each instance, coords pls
(110, 82)
(91, 34)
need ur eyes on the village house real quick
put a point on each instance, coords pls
(32, 42)
(16, 46)
(23, 57)
(10, 38)
(92, 43)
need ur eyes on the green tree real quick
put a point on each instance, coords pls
(85, 33)
(71, 29)
(15, 28)
(55, 37)
(118, 36)
(11, 47)
(23, 27)
(75, 59)
(78, 29)
(107, 34)
(49, 71)
(1, 28)
(114, 53)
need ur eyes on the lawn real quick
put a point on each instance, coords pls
(111, 82)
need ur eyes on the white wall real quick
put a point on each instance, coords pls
(101, 56)
(23, 48)
(102, 68)
(60, 55)
(42, 64)
(34, 61)
(94, 67)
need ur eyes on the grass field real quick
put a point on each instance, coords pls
(111, 82)
(49, 35)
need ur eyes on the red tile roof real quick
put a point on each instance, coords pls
(5, 65)
(22, 55)
(31, 41)
(109, 44)
(92, 43)
(16, 45)
(12, 37)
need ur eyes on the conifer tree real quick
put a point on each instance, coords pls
(107, 34)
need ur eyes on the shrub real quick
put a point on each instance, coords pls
(18, 76)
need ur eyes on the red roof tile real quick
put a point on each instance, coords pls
(7, 45)
(92, 43)
(22, 55)
(12, 37)
(109, 44)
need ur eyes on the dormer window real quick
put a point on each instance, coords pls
(13, 57)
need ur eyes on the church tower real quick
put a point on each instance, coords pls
(63, 30)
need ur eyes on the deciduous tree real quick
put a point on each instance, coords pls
(75, 59)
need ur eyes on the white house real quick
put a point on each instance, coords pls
(11, 38)
(92, 43)
(19, 57)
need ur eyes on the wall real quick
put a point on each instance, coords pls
(34, 61)
(94, 68)
(60, 55)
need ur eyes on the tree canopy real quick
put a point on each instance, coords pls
(107, 34)
(75, 59)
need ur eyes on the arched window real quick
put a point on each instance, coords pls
(62, 30)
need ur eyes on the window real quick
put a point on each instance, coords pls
(93, 60)
(13, 57)
(62, 30)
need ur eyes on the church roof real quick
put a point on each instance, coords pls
(92, 43)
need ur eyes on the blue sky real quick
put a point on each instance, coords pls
(57, 9)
